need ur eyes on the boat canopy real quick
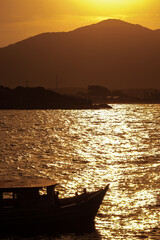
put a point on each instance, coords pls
(28, 183)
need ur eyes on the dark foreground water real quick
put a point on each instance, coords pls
(90, 148)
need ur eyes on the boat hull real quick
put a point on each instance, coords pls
(73, 216)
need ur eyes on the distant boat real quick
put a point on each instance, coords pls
(25, 208)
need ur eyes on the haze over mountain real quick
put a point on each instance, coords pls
(111, 53)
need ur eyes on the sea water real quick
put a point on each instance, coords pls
(89, 149)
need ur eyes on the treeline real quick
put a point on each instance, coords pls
(39, 98)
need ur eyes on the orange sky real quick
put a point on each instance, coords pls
(20, 19)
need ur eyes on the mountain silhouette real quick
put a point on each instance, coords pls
(111, 53)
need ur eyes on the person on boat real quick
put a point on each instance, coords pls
(84, 191)
(84, 195)
(56, 199)
(76, 197)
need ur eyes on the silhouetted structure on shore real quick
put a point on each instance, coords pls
(134, 96)
(100, 94)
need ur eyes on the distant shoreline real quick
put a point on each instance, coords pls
(25, 98)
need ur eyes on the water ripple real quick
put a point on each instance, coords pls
(90, 148)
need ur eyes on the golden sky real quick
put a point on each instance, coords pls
(20, 19)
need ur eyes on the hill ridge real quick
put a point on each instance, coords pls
(111, 21)
(112, 53)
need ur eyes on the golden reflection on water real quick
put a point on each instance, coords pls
(90, 149)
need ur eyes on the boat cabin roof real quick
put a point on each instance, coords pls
(29, 183)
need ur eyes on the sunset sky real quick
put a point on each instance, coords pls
(20, 19)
